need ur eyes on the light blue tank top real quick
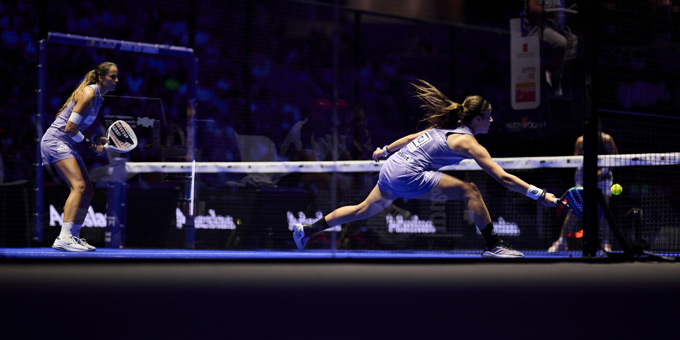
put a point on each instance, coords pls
(58, 126)
(429, 151)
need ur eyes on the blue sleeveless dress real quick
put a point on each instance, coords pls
(55, 144)
(413, 170)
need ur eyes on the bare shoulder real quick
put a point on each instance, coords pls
(86, 95)
(608, 142)
(460, 139)
(578, 146)
(579, 140)
(463, 144)
(84, 99)
(87, 92)
(607, 138)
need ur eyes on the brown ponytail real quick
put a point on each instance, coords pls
(472, 107)
(442, 112)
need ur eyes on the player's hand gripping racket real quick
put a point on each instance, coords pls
(573, 199)
(121, 137)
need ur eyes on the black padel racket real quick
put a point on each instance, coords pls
(573, 199)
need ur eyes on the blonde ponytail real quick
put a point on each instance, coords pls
(90, 78)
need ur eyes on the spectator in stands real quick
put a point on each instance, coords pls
(548, 17)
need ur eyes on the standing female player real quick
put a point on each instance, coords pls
(58, 148)
(413, 170)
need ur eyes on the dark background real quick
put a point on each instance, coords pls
(263, 66)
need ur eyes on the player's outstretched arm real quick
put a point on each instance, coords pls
(468, 146)
(396, 145)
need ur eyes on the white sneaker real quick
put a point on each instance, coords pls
(68, 244)
(557, 246)
(299, 236)
(84, 243)
(501, 250)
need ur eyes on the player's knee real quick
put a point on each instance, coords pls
(361, 210)
(79, 187)
(365, 210)
(472, 191)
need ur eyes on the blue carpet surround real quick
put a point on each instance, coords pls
(181, 254)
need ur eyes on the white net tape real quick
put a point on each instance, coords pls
(515, 163)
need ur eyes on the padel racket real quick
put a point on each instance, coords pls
(121, 137)
(573, 199)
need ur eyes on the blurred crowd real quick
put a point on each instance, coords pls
(268, 68)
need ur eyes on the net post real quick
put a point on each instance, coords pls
(116, 187)
(38, 186)
(590, 134)
(190, 187)
(335, 118)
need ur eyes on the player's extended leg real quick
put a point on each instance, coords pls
(77, 203)
(451, 188)
(374, 203)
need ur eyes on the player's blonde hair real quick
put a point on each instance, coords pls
(442, 112)
(90, 78)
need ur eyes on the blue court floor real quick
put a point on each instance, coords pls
(188, 254)
(425, 296)
(320, 294)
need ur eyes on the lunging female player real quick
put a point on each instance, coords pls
(413, 169)
(58, 148)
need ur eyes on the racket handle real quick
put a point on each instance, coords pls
(561, 202)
